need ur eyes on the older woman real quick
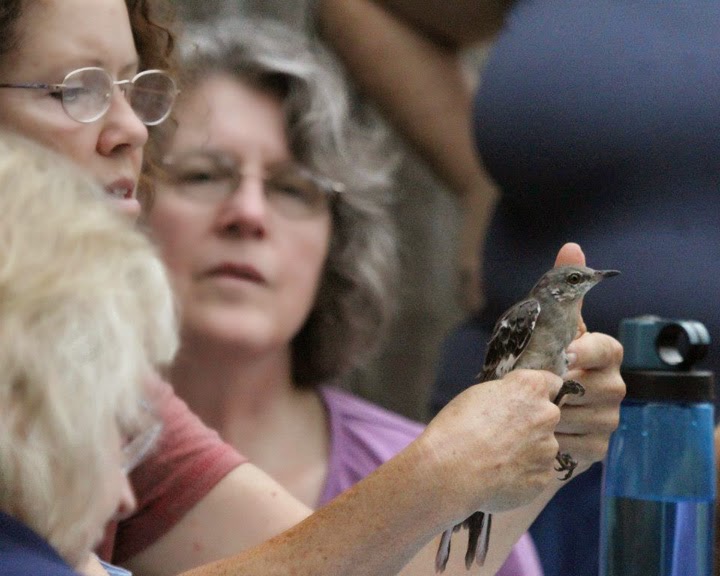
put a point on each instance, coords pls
(272, 218)
(89, 79)
(84, 300)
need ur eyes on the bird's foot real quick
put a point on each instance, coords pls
(565, 464)
(569, 387)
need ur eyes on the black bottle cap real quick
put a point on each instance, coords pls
(663, 386)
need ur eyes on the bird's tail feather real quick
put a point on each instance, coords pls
(478, 525)
(443, 553)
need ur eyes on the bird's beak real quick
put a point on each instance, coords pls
(606, 273)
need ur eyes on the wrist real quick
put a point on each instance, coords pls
(443, 478)
(425, 488)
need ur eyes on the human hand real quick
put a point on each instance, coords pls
(587, 421)
(494, 444)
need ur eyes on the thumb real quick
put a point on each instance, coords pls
(570, 254)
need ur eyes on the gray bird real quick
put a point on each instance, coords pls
(533, 333)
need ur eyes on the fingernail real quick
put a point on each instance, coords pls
(571, 359)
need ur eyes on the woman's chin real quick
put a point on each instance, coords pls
(129, 207)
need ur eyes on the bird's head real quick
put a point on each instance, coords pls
(569, 283)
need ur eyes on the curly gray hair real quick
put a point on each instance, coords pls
(356, 296)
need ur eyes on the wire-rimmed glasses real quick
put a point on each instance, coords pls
(135, 450)
(208, 176)
(86, 94)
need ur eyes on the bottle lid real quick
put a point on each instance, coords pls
(654, 343)
(663, 386)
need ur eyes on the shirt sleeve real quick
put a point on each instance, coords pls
(189, 461)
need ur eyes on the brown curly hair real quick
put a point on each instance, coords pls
(151, 22)
(153, 29)
(10, 11)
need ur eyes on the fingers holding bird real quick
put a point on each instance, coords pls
(588, 420)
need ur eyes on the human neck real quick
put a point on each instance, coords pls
(222, 384)
(251, 401)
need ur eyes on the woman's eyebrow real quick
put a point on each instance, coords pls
(130, 68)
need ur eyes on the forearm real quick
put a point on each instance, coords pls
(393, 516)
(245, 508)
(457, 22)
(490, 448)
(418, 84)
(476, 213)
(510, 525)
(372, 529)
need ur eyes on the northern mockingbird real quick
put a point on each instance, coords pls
(533, 333)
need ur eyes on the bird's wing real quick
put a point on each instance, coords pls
(509, 338)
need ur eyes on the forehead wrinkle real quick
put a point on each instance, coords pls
(48, 43)
(213, 116)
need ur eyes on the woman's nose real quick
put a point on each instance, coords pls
(121, 126)
(246, 209)
(127, 503)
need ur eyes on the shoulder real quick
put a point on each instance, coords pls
(375, 425)
(362, 437)
(365, 432)
(23, 552)
(27, 564)
(188, 462)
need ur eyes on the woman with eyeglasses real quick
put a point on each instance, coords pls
(272, 214)
(88, 79)
(84, 299)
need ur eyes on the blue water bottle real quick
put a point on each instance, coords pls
(658, 494)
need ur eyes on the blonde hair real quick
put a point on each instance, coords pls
(86, 312)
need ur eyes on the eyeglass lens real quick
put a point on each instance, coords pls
(135, 451)
(152, 96)
(86, 94)
(207, 177)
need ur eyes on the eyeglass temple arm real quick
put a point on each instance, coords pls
(34, 85)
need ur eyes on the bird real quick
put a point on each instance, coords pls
(533, 333)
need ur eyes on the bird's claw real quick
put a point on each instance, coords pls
(565, 464)
(565, 461)
(569, 387)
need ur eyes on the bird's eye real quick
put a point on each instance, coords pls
(574, 278)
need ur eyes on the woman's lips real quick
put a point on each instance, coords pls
(122, 194)
(122, 188)
(237, 272)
